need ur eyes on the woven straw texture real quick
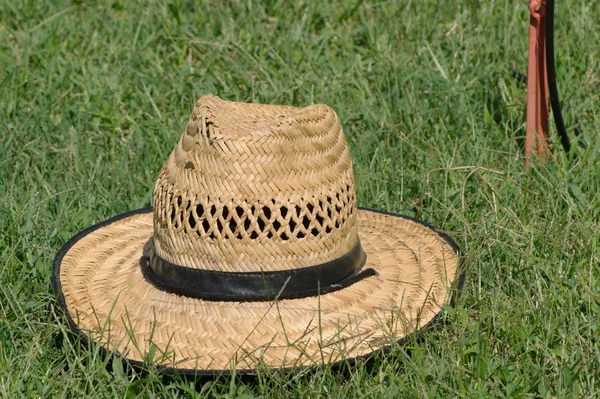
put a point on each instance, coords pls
(253, 188)
(256, 188)
(108, 297)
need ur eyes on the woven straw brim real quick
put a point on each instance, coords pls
(98, 280)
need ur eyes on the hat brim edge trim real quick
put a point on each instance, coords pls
(349, 362)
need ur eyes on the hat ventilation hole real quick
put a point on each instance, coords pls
(215, 220)
(269, 221)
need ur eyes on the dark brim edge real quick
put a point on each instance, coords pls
(56, 286)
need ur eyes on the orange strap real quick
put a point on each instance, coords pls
(537, 84)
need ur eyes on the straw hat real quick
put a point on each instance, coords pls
(254, 254)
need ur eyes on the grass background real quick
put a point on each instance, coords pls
(94, 96)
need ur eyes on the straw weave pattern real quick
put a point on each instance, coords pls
(108, 296)
(256, 188)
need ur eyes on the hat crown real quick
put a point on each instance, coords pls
(252, 187)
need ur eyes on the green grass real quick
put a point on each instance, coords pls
(94, 96)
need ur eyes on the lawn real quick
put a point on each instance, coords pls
(95, 94)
